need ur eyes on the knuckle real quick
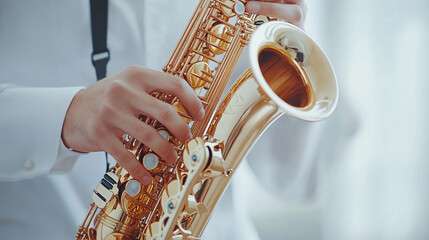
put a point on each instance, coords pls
(166, 113)
(144, 132)
(134, 171)
(165, 150)
(106, 110)
(124, 157)
(179, 84)
(98, 131)
(151, 101)
(134, 72)
(115, 88)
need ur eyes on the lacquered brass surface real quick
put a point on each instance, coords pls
(199, 75)
(289, 74)
(289, 83)
(219, 39)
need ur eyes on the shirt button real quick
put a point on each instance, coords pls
(29, 165)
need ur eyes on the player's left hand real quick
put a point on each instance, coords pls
(292, 11)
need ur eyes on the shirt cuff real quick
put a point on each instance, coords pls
(65, 160)
(31, 122)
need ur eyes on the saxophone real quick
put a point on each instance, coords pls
(289, 74)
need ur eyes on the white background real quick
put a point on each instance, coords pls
(376, 183)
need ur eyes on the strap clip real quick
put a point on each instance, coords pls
(101, 57)
(99, 61)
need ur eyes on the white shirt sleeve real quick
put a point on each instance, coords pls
(31, 122)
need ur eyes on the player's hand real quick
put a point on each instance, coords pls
(100, 115)
(292, 11)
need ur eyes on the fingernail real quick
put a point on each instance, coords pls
(146, 180)
(200, 114)
(253, 7)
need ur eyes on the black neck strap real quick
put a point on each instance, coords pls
(100, 54)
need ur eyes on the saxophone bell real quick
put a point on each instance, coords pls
(293, 71)
(289, 73)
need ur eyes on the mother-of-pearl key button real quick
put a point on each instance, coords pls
(150, 161)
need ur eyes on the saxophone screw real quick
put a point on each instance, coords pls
(228, 173)
(170, 206)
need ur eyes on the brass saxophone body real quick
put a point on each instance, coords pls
(289, 74)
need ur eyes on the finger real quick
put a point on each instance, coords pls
(173, 85)
(290, 12)
(128, 161)
(164, 113)
(150, 137)
(149, 106)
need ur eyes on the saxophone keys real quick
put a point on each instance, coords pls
(227, 8)
(164, 134)
(105, 189)
(194, 153)
(193, 206)
(153, 230)
(101, 196)
(261, 19)
(133, 188)
(168, 202)
(117, 236)
(92, 234)
(169, 138)
(150, 161)
(231, 8)
(219, 39)
(135, 200)
(180, 109)
(239, 8)
(199, 74)
(130, 142)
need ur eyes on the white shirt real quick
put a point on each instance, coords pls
(45, 51)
